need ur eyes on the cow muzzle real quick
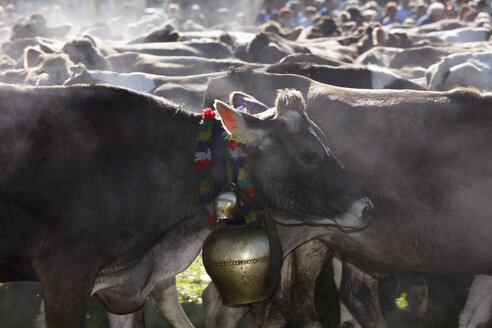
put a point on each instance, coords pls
(357, 217)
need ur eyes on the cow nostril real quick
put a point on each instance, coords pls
(367, 212)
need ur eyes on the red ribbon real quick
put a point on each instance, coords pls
(203, 164)
(251, 192)
(208, 115)
(234, 144)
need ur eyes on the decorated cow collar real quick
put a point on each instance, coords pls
(203, 165)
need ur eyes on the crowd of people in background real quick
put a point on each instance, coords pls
(409, 12)
(191, 15)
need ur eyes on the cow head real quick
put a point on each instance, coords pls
(164, 33)
(295, 176)
(36, 25)
(323, 26)
(85, 51)
(268, 48)
(29, 27)
(274, 27)
(377, 36)
(56, 67)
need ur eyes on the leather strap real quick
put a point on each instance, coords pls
(276, 254)
(276, 250)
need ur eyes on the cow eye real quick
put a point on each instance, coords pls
(310, 158)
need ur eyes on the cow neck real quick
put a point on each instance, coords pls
(216, 154)
(220, 167)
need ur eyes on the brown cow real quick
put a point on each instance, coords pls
(428, 191)
(92, 201)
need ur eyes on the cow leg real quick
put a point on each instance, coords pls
(294, 297)
(66, 280)
(273, 318)
(39, 319)
(478, 306)
(417, 294)
(388, 286)
(132, 320)
(346, 318)
(165, 298)
(216, 313)
(359, 297)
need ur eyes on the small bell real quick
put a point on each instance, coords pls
(225, 205)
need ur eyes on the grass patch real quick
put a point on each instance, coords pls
(401, 302)
(192, 282)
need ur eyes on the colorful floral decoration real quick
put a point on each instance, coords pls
(241, 168)
(203, 163)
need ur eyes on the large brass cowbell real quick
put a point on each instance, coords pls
(237, 258)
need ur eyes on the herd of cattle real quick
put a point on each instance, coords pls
(97, 183)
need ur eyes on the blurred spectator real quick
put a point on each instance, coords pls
(463, 10)
(420, 11)
(389, 13)
(311, 3)
(57, 15)
(355, 15)
(459, 4)
(483, 20)
(323, 26)
(10, 17)
(301, 6)
(404, 11)
(267, 13)
(4, 35)
(294, 5)
(174, 15)
(330, 8)
(286, 18)
(197, 16)
(122, 23)
(196, 20)
(372, 6)
(479, 6)
(222, 19)
(130, 13)
(174, 11)
(435, 13)
(345, 17)
(345, 3)
(227, 22)
(370, 15)
(307, 19)
(450, 12)
(241, 19)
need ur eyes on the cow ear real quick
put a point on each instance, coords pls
(234, 123)
(78, 69)
(32, 57)
(173, 36)
(44, 48)
(61, 31)
(90, 39)
(238, 99)
(378, 36)
(294, 35)
(289, 100)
